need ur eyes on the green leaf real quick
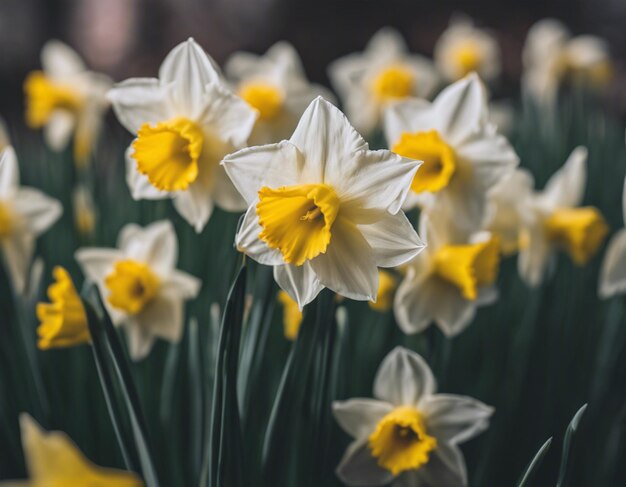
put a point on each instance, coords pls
(567, 443)
(534, 463)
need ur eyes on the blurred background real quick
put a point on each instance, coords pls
(130, 37)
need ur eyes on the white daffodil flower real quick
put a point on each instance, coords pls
(25, 213)
(552, 56)
(613, 272)
(275, 85)
(324, 209)
(384, 73)
(509, 202)
(449, 280)
(66, 99)
(185, 122)
(408, 435)
(554, 221)
(464, 156)
(140, 286)
(463, 49)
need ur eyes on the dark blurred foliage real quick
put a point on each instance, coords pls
(130, 37)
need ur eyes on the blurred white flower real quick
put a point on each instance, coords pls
(324, 209)
(554, 221)
(275, 85)
(384, 73)
(185, 121)
(66, 99)
(140, 286)
(85, 214)
(408, 434)
(552, 56)
(25, 213)
(449, 280)
(613, 271)
(463, 154)
(463, 49)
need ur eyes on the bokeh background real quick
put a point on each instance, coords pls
(130, 37)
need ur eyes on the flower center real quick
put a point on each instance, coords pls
(132, 285)
(439, 159)
(264, 98)
(297, 220)
(6, 221)
(400, 441)
(578, 231)
(467, 58)
(394, 82)
(469, 266)
(168, 153)
(63, 320)
(44, 96)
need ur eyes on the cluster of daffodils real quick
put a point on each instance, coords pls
(321, 208)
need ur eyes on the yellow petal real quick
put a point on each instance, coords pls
(297, 220)
(44, 96)
(265, 98)
(292, 316)
(132, 285)
(400, 441)
(439, 159)
(168, 153)
(578, 231)
(6, 221)
(393, 83)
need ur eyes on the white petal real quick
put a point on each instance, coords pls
(139, 185)
(300, 282)
(566, 187)
(404, 378)
(248, 241)
(613, 272)
(272, 165)
(38, 211)
(386, 42)
(140, 341)
(224, 192)
(461, 110)
(464, 202)
(17, 252)
(58, 131)
(535, 258)
(140, 100)
(96, 263)
(544, 37)
(60, 61)
(455, 419)
(194, 205)
(182, 285)
(412, 115)
(348, 267)
(163, 317)
(446, 467)
(358, 417)
(363, 112)
(413, 302)
(327, 141)
(9, 172)
(393, 239)
(190, 69)
(359, 468)
(426, 77)
(345, 73)
(156, 245)
(453, 313)
(226, 115)
(376, 179)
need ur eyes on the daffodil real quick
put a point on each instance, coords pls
(450, 279)
(324, 209)
(185, 122)
(463, 49)
(464, 156)
(292, 316)
(84, 210)
(63, 321)
(387, 285)
(613, 271)
(552, 57)
(25, 213)
(275, 85)
(509, 202)
(53, 460)
(142, 290)
(555, 221)
(408, 434)
(66, 99)
(384, 73)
